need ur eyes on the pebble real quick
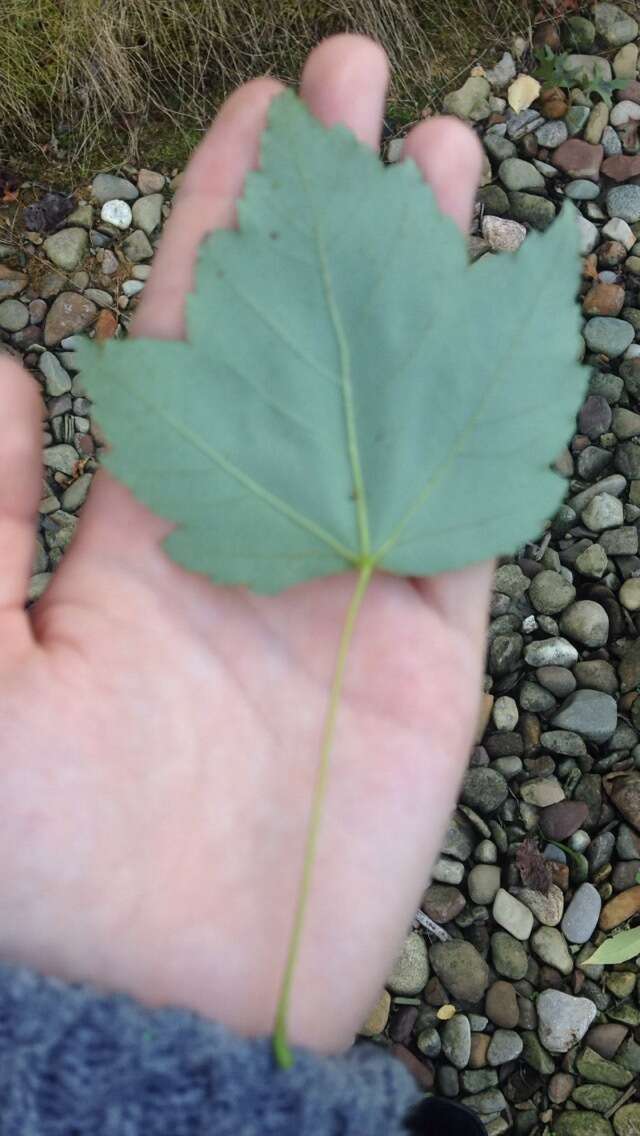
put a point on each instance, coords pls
(484, 789)
(69, 314)
(581, 917)
(598, 1069)
(555, 651)
(13, 315)
(512, 915)
(58, 381)
(586, 622)
(629, 594)
(503, 235)
(67, 248)
(136, 246)
(579, 159)
(626, 1120)
(410, 972)
(614, 25)
(606, 1038)
(547, 908)
(603, 511)
(608, 336)
(618, 230)
(622, 907)
(550, 592)
(456, 1041)
(505, 1045)
(470, 100)
(563, 1020)
(516, 174)
(447, 871)
(62, 458)
(107, 187)
(147, 212)
(461, 969)
(560, 821)
(483, 882)
(378, 1018)
(509, 956)
(442, 903)
(550, 946)
(116, 212)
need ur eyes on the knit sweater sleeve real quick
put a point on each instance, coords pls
(75, 1061)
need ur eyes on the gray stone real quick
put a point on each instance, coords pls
(576, 119)
(62, 458)
(592, 563)
(582, 190)
(76, 494)
(411, 970)
(589, 234)
(555, 651)
(106, 187)
(447, 871)
(624, 201)
(563, 1020)
(470, 100)
(461, 969)
(486, 1103)
(505, 1045)
(542, 791)
(614, 25)
(591, 66)
(503, 235)
(456, 1041)
(524, 122)
(598, 1069)
(607, 335)
(512, 915)
(586, 622)
(552, 134)
(58, 381)
(147, 212)
(136, 246)
(615, 485)
(503, 72)
(499, 147)
(551, 948)
(550, 592)
(532, 209)
(458, 841)
(516, 174)
(484, 789)
(428, 1042)
(13, 315)
(590, 713)
(582, 914)
(67, 248)
(509, 956)
(483, 882)
(611, 142)
(603, 512)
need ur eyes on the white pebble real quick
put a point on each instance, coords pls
(132, 287)
(117, 213)
(626, 111)
(617, 230)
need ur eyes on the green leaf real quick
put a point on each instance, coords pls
(351, 391)
(618, 948)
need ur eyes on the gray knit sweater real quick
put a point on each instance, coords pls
(78, 1062)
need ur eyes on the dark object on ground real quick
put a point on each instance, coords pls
(438, 1115)
(46, 214)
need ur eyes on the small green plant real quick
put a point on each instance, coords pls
(338, 406)
(554, 70)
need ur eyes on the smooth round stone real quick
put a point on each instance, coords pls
(428, 1042)
(563, 742)
(486, 852)
(378, 1017)
(542, 791)
(548, 908)
(501, 1005)
(555, 651)
(13, 315)
(560, 821)
(582, 190)
(605, 335)
(560, 1087)
(447, 871)
(58, 381)
(551, 948)
(106, 187)
(559, 680)
(563, 1020)
(512, 915)
(629, 594)
(590, 713)
(550, 592)
(509, 957)
(516, 174)
(625, 112)
(614, 25)
(117, 213)
(461, 969)
(505, 1045)
(603, 511)
(505, 712)
(484, 789)
(132, 287)
(442, 903)
(626, 1120)
(147, 212)
(625, 63)
(607, 1038)
(624, 200)
(581, 917)
(586, 622)
(67, 248)
(592, 563)
(456, 1041)
(552, 134)
(483, 882)
(410, 972)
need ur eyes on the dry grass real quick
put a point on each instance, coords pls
(86, 78)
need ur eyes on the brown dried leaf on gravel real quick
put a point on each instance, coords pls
(534, 870)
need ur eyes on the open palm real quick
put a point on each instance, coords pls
(160, 735)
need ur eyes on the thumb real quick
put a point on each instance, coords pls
(20, 483)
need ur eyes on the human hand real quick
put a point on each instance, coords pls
(160, 735)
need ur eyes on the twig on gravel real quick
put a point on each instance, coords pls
(433, 928)
(631, 1091)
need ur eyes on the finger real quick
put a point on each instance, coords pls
(20, 484)
(344, 80)
(450, 158)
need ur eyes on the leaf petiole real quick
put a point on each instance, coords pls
(283, 1054)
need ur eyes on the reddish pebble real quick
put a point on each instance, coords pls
(603, 300)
